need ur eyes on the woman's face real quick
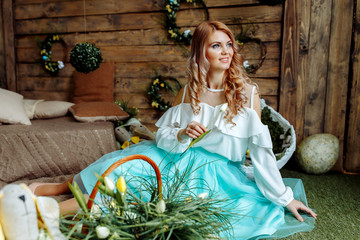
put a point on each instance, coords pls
(219, 51)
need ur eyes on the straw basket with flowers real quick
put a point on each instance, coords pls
(147, 212)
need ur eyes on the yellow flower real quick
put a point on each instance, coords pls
(47, 67)
(172, 33)
(189, 1)
(168, 8)
(43, 51)
(154, 104)
(247, 152)
(239, 43)
(125, 145)
(156, 81)
(162, 85)
(56, 37)
(135, 139)
(121, 185)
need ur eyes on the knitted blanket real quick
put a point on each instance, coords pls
(52, 148)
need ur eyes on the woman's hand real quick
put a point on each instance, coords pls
(295, 205)
(192, 130)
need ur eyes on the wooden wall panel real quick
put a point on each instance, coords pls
(352, 161)
(289, 62)
(338, 72)
(303, 58)
(319, 38)
(3, 82)
(323, 72)
(132, 35)
(9, 47)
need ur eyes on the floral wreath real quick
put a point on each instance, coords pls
(243, 38)
(172, 6)
(46, 54)
(159, 82)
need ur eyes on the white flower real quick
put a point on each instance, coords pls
(78, 227)
(160, 206)
(130, 215)
(109, 183)
(102, 232)
(246, 64)
(60, 64)
(224, 107)
(96, 211)
(186, 32)
(202, 195)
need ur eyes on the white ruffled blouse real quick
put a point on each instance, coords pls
(229, 141)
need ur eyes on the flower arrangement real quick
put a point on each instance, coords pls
(158, 83)
(85, 57)
(147, 213)
(46, 54)
(174, 33)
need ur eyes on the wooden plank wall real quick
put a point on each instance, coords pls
(325, 30)
(132, 34)
(352, 161)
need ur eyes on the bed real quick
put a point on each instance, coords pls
(52, 149)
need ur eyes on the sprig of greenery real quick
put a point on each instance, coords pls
(275, 130)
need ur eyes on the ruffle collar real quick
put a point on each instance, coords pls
(247, 122)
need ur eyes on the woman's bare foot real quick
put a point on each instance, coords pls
(49, 189)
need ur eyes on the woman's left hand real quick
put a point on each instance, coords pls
(296, 205)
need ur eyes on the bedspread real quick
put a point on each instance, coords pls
(50, 148)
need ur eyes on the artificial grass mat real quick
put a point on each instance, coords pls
(336, 200)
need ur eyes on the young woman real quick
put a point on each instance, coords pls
(215, 77)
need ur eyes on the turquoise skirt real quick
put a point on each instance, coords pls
(259, 219)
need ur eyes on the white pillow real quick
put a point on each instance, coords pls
(52, 109)
(30, 105)
(12, 108)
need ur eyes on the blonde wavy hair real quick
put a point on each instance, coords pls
(198, 67)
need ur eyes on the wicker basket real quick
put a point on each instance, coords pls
(249, 170)
(117, 164)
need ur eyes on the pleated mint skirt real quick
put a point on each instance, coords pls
(259, 218)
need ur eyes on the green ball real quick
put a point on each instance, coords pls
(317, 153)
(85, 57)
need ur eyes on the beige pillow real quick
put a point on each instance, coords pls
(52, 109)
(12, 108)
(98, 112)
(30, 105)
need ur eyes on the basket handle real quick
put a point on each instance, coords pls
(118, 163)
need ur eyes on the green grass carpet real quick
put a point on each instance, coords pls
(336, 199)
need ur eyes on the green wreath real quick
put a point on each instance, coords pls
(46, 54)
(243, 38)
(172, 6)
(159, 82)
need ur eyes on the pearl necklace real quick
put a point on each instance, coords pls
(214, 90)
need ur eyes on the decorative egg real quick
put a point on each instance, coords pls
(318, 153)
